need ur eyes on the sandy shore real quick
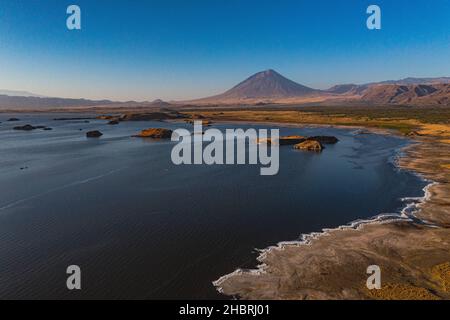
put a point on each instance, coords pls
(413, 253)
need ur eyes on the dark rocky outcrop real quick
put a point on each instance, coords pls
(113, 122)
(284, 141)
(13, 119)
(205, 123)
(27, 127)
(73, 119)
(295, 140)
(290, 140)
(155, 133)
(94, 134)
(413, 133)
(325, 139)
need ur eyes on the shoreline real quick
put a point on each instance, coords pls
(308, 238)
(410, 214)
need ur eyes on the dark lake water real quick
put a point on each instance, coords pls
(142, 228)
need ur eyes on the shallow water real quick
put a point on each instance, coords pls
(141, 227)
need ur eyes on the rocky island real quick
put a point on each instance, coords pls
(29, 127)
(94, 134)
(309, 145)
(301, 142)
(155, 133)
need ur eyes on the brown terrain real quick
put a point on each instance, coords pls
(416, 94)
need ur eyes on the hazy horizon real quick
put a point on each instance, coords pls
(11, 92)
(173, 50)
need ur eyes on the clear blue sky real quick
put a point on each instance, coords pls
(184, 49)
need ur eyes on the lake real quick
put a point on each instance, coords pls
(141, 227)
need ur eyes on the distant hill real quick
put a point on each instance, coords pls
(343, 88)
(160, 103)
(361, 88)
(411, 80)
(19, 93)
(43, 103)
(267, 84)
(415, 94)
(408, 91)
(29, 102)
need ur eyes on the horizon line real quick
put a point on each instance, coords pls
(150, 100)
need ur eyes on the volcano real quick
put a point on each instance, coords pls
(267, 84)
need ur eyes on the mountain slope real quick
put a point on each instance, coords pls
(420, 94)
(267, 84)
(411, 80)
(343, 88)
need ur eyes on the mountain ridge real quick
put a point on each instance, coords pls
(417, 94)
(270, 87)
(19, 93)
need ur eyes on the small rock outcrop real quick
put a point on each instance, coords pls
(13, 119)
(413, 133)
(155, 133)
(362, 131)
(106, 117)
(113, 122)
(309, 145)
(27, 127)
(283, 141)
(94, 134)
(74, 119)
(205, 123)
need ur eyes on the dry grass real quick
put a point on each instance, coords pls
(392, 291)
(437, 130)
(426, 122)
(441, 273)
